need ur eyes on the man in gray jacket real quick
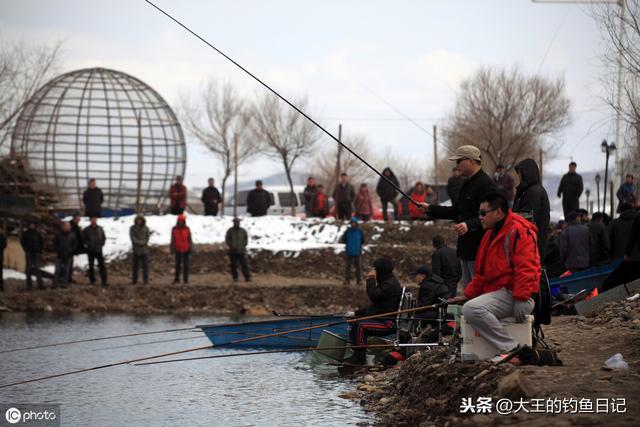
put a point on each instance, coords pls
(575, 244)
(139, 234)
(237, 240)
(94, 240)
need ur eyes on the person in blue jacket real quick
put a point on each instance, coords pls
(353, 238)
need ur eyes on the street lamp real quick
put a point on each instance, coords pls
(607, 149)
(598, 189)
(588, 193)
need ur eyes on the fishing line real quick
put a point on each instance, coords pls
(283, 99)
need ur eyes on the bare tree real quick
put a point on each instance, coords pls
(507, 115)
(23, 69)
(621, 26)
(324, 167)
(215, 119)
(285, 134)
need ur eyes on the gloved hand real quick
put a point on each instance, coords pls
(520, 310)
(350, 314)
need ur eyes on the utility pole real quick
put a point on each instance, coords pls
(235, 176)
(541, 154)
(435, 161)
(139, 171)
(338, 166)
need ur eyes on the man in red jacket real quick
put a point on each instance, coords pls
(507, 272)
(178, 197)
(181, 246)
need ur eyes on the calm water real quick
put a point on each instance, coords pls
(278, 389)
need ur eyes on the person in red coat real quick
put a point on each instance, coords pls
(178, 197)
(321, 205)
(181, 246)
(419, 194)
(363, 204)
(507, 272)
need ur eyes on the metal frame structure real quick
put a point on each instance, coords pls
(103, 124)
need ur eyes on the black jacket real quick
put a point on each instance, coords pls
(344, 194)
(600, 247)
(552, 259)
(32, 241)
(65, 244)
(210, 197)
(384, 296)
(94, 239)
(77, 231)
(445, 264)
(3, 243)
(634, 238)
(466, 210)
(431, 290)
(619, 234)
(92, 199)
(570, 186)
(575, 246)
(454, 184)
(258, 202)
(385, 191)
(532, 199)
(309, 195)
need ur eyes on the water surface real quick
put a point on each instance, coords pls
(277, 389)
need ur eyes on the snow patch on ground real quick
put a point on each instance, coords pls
(271, 233)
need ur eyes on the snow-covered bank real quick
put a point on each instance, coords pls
(270, 233)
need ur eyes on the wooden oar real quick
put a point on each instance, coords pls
(277, 334)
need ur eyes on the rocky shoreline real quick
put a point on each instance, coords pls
(428, 389)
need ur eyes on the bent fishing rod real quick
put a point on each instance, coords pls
(207, 347)
(290, 104)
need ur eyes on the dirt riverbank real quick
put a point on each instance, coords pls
(426, 390)
(306, 282)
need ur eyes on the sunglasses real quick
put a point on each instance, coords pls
(460, 161)
(484, 213)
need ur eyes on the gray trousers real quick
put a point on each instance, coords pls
(467, 271)
(484, 314)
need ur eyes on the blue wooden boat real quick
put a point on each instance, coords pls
(227, 334)
(587, 279)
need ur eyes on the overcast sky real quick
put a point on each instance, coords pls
(343, 55)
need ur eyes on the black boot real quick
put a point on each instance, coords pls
(359, 357)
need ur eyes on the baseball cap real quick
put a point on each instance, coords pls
(467, 152)
(421, 270)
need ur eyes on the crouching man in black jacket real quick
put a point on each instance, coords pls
(384, 292)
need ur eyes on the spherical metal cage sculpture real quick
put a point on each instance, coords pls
(103, 124)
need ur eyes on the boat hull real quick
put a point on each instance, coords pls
(242, 335)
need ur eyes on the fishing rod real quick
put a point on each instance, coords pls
(257, 353)
(148, 343)
(285, 100)
(316, 316)
(96, 339)
(570, 299)
(207, 347)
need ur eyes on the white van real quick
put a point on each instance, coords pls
(280, 200)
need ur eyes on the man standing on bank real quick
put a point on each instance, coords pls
(211, 199)
(465, 212)
(570, 190)
(139, 234)
(94, 239)
(92, 199)
(237, 240)
(258, 200)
